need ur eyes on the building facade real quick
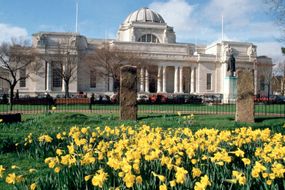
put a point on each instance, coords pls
(179, 67)
(4, 86)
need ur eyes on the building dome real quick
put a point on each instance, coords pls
(144, 15)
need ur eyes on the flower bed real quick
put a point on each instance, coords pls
(145, 157)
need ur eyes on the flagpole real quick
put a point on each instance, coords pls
(76, 16)
(222, 27)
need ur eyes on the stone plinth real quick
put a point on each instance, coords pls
(128, 93)
(230, 89)
(245, 96)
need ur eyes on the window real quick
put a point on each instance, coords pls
(23, 77)
(92, 79)
(149, 38)
(262, 83)
(209, 81)
(56, 75)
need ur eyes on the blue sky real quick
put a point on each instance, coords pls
(193, 20)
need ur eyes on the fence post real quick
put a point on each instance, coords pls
(47, 103)
(173, 103)
(90, 105)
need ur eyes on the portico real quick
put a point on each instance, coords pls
(183, 82)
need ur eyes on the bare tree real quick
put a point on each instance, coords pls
(65, 59)
(106, 61)
(278, 80)
(265, 76)
(277, 9)
(18, 60)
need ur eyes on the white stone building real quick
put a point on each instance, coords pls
(4, 86)
(180, 67)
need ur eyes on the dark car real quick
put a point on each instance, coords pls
(193, 99)
(4, 99)
(276, 99)
(100, 99)
(179, 99)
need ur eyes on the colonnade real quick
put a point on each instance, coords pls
(162, 79)
(49, 79)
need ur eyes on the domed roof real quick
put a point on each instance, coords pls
(144, 15)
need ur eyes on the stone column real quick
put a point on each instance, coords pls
(128, 93)
(63, 83)
(192, 80)
(48, 85)
(111, 84)
(255, 81)
(146, 81)
(164, 79)
(195, 79)
(176, 79)
(181, 79)
(159, 79)
(142, 80)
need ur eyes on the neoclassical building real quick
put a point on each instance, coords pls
(179, 67)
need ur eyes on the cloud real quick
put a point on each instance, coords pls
(244, 20)
(176, 13)
(234, 11)
(7, 32)
(271, 49)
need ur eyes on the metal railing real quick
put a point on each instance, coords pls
(44, 105)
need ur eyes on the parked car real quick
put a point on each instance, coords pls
(262, 99)
(193, 99)
(4, 99)
(142, 98)
(276, 99)
(158, 98)
(179, 99)
(212, 98)
(100, 99)
(115, 98)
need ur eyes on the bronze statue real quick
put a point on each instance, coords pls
(231, 64)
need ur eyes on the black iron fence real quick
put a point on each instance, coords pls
(105, 106)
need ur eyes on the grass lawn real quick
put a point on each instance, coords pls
(52, 123)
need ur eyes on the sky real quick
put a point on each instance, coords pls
(194, 21)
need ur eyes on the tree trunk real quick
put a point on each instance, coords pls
(268, 92)
(66, 89)
(11, 97)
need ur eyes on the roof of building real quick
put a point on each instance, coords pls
(144, 15)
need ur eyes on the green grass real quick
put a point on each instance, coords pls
(52, 123)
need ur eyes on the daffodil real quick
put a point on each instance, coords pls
(33, 186)
(12, 178)
(45, 138)
(163, 187)
(2, 169)
(99, 178)
(129, 180)
(196, 172)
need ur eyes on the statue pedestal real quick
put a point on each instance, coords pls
(230, 90)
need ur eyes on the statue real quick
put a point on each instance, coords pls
(231, 64)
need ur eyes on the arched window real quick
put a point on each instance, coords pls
(148, 38)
